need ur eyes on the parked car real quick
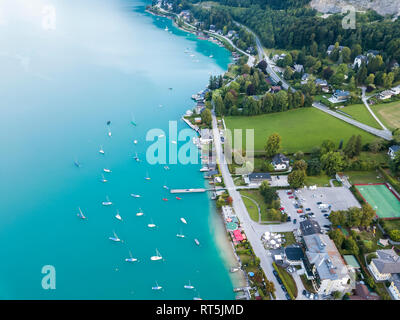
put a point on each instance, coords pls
(326, 215)
(289, 219)
(311, 296)
(308, 209)
(318, 203)
(323, 210)
(289, 192)
(327, 226)
(287, 296)
(283, 288)
(279, 280)
(304, 292)
(311, 214)
(315, 296)
(282, 209)
(302, 216)
(291, 197)
(294, 221)
(275, 273)
(299, 211)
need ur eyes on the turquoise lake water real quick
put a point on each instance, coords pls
(105, 60)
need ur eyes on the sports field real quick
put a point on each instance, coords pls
(381, 199)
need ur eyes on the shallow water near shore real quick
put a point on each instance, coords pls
(104, 61)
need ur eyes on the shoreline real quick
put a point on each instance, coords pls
(222, 240)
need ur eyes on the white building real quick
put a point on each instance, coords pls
(386, 264)
(328, 267)
(359, 60)
(395, 289)
(393, 150)
(280, 162)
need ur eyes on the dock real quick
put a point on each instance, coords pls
(188, 190)
(195, 128)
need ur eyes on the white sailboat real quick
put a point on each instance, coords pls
(157, 287)
(136, 157)
(188, 286)
(109, 133)
(135, 195)
(80, 214)
(140, 213)
(151, 225)
(184, 220)
(130, 259)
(107, 203)
(180, 234)
(147, 176)
(101, 150)
(103, 179)
(106, 170)
(115, 238)
(133, 122)
(135, 141)
(157, 256)
(118, 216)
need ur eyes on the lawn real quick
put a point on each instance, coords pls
(300, 129)
(362, 177)
(321, 180)
(251, 209)
(388, 113)
(360, 113)
(289, 237)
(288, 280)
(393, 224)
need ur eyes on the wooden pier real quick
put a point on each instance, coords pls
(188, 190)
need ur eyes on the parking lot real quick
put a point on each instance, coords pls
(316, 203)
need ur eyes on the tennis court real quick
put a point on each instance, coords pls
(381, 199)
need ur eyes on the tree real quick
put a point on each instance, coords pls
(281, 101)
(370, 79)
(338, 218)
(220, 202)
(350, 149)
(351, 245)
(336, 295)
(273, 145)
(332, 162)
(367, 215)
(327, 146)
(358, 145)
(206, 116)
(296, 179)
(337, 237)
(314, 167)
(269, 193)
(300, 165)
(269, 286)
(394, 235)
(376, 145)
(346, 54)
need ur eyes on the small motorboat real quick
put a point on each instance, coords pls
(197, 242)
(157, 287)
(184, 220)
(118, 216)
(135, 195)
(103, 179)
(101, 150)
(107, 203)
(161, 136)
(165, 199)
(174, 142)
(151, 225)
(188, 286)
(140, 213)
(180, 235)
(166, 167)
(165, 187)
(107, 170)
(136, 157)
(109, 133)
(77, 164)
(177, 198)
(135, 141)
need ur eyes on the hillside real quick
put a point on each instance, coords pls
(383, 7)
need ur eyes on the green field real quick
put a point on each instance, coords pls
(300, 129)
(388, 113)
(381, 199)
(360, 113)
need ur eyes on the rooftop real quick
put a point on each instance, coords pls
(387, 262)
(309, 227)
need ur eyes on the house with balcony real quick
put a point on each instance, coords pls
(394, 289)
(385, 265)
(393, 151)
(280, 162)
(329, 270)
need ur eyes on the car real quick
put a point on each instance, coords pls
(299, 211)
(315, 296)
(302, 216)
(311, 296)
(326, 215)
(311, 214)
(282, 208)
(283, 288)
(279, 280)
(304, 292)
(327, 226)
(308, 209)
(291, 197)
(277, 177)
(275, 273)
(323, 210)
(289, 192)
(318, 203)
(296, 205)
(308, 294)
(294, 221)
(289, 219)
(287, 296)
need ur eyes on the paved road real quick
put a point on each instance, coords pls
(364, 99)
(384, 134)
(252, 235)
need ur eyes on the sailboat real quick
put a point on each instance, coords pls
(151, 225)
(147, 176)
(80, 214)
(130, 259)
(165, 187)
(133, 122)
(180, 235)
(136, 157)
(184, 220)
(101, 150)
(157, 256)
(166, 28)
(166, 167)
(109, 133)
(135, 195)
(106, 170)
(135, 141)
(188, 286)
(103, 179)
(197, 241)
(115, 238)
(157, 287)
(77, 164)
(118, 216)
(107, 203)
(140, 213)
(197, 298)
(178, 198)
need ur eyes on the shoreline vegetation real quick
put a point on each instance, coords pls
(222, 239)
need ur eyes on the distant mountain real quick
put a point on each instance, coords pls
(383, 7)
